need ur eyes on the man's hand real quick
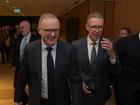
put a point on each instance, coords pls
(14, 69)
(108, 46)
(85, 89)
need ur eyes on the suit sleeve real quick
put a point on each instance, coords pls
(22, 76)
(14, 50)
(75, 80)
(116, 68)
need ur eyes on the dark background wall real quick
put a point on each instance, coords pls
(10, 20)
(117, 13)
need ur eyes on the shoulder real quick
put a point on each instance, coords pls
(63, 44)
(65, 47)
(128, 38)
(127, 41)
(79, 41)
(34, 44)
(35, 36)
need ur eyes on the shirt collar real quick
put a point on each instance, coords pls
(139, 35)
(28, 36)
(90, 42)
(44, 46)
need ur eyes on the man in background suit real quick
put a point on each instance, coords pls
(18, 50)
(128, 82)
(35, 68)
(96, 76)
(124, 32)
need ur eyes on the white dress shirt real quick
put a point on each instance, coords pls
(90, 46)
(44, 80)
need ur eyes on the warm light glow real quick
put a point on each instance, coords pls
(7, 1)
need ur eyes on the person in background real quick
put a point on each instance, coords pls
(2, 52)
(8, 48)
(51, 67)
(128, 82)
(97, 62)
(18, 51)
(2, 46)
(124, 31)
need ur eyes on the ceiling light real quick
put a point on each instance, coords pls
(13, 7)
(7, 1)
(17, 10)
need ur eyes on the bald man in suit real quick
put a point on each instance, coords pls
(18, 50)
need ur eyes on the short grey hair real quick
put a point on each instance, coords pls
(47, 16)
(95, 15)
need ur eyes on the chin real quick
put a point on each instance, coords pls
(95, 38)
(52, 43)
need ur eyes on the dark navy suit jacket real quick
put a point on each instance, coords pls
(67, 74)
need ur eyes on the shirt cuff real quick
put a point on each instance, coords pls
(113, 61)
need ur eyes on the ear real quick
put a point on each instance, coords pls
(38, 29)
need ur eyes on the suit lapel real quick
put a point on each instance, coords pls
(58, 48)
(83, 53)
(31, 38)
(58, 60)
(38, 61)
(100, 58)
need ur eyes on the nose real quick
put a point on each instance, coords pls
(97, 30)
(53, 32)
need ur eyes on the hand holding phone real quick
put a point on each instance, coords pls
(108, 46)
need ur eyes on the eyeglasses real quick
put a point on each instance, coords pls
(49, 31)
(94, 27)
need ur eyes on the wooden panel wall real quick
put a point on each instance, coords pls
(109, 18)
(117, 13)
(133, 19)
(81, 12)
(96, 5)
(127, 14)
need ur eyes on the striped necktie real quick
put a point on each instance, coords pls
(93, 53)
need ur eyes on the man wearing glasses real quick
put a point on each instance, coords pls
(51, 67)
(97, 61)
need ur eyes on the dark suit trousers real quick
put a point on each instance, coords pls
(91, 99)
(43, 102)
(24, 99)
(134, 100)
